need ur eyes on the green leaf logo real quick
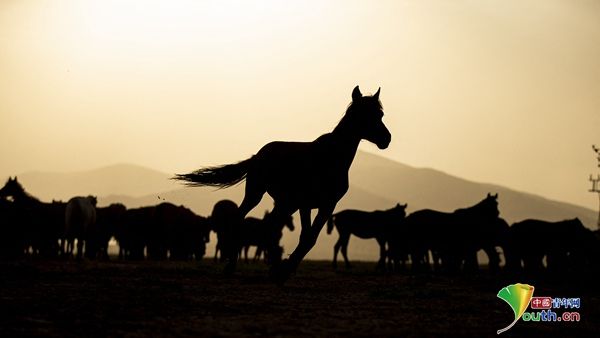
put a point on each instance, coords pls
(518, 297)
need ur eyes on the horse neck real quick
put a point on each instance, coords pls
(475, 212)
(345, 142)
(25, 199)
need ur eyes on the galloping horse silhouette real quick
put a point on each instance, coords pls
(302, 175)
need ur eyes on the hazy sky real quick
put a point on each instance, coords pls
(505, 92)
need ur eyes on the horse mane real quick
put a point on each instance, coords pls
(476, 206)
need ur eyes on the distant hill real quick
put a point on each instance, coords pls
(376, 183)
(121, 179)
(428, 188)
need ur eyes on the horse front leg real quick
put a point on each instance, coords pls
(382, 255)
(308, 238)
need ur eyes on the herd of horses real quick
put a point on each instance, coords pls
(449, 242)
(79, 228)
(299, 176)
(425, 240)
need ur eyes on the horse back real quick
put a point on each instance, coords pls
(80, 214)
(302, 174)
(362, 224)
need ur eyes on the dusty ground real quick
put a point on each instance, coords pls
(82, 299)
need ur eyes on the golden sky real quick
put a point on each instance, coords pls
(501, 91)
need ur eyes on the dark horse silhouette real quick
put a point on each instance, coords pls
(302, 175)
(377, 224)
(225, 221)
(265, 235)
(567, 245)
(35, 226)
(452, 237)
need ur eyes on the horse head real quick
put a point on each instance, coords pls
(289, 223)
(364, 116)
(204, 225)
(576, 223)
(488, 207)
(399, 211)
(12, 188)
(93, 200)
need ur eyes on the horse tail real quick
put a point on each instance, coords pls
(330, 225)
(220, 176)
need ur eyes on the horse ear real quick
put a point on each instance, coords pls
(356, 94)
(496, 196)
(405, 205)
(376, 96)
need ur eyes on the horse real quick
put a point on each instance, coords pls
(13, 239)
(132, 232)
(265, 235)
(302, 175)
(490, 237)
(108, 220)
(33, 223)
(376, 224)
(451, 237)
(52, 229)
(226, 221)
(184, 233)
(567, 245)
(80, 217)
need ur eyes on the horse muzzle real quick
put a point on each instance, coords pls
(383, 144)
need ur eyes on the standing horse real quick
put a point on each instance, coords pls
(108, 221)
(225, 221)
(33, 223)
(132, 232)
(265, 235)
(452, 237)
(12, 239)
(302, 175)
(377, 224)
(184, 233)
(567, 245)
(80, 218)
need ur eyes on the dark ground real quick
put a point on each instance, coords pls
(83, 299)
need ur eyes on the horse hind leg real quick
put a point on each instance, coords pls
(342, 243)
(79, 248)
(246, 248)
(382, 255)
(336, 248)
(344, 246)
(253, 195)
